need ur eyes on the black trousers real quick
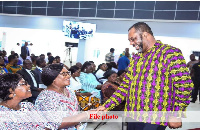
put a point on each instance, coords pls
(196, 89)
(144, 126)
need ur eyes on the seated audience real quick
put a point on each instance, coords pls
(3, 69)
(57, 59)
(79, 65)
(32, 78)
(42, 56)
(5, 57)
(58, 98)
(40, 64)
(75, 83)
(52, 60)
(12, 66)
(101, 70)
(93, 71)
(33, 59)
(114, 66)
(109, 66)
(24, 115)
(88, 80)
(110, 86)
(86, 100)
(93, 66)
(19, 62)
(12, 52)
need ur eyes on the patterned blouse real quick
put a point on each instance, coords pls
(56, 106)
(22, 119)
(158, 81)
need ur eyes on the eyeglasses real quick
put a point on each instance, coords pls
(68, 73)
(25, 83)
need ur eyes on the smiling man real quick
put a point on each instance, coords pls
(32, 78)
(157, 80)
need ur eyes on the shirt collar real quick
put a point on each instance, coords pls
(40, 69)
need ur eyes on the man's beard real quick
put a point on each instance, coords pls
(140, 45)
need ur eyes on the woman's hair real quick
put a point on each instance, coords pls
(98, 67)
(73, 69)
(109, 66)
(51, 59)
(8, 81)
(108, 73)
(120, 72)
(86, 64)
(50, 72)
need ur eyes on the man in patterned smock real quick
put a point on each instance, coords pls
(157, 80)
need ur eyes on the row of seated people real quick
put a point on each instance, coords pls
(89, 82)
(84, 81)
(54, 108)
(54, 98)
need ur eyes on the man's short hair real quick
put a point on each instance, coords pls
(112, 49)
(141, 27)
(11, 57)
(39, 61)
(49, 53)
(57, 57)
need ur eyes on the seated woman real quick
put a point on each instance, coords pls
(109, 87)
(86, 99)
(52, 60)
(23, 115)
(75, 83)
(58, 98)
(89, 81)
(13, 89)
(100, 71)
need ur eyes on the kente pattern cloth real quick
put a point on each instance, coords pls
(87, 103)
(3, 70)
(158, 81)
(13, 69)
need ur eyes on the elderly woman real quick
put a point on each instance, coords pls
(58, 98)
(110, 86)
(13, 89)
(89, 81)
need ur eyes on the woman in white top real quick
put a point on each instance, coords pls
(75, 83)
(101, 70)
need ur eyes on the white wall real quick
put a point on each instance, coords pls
(46, 35)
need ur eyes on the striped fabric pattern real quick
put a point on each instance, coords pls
(158, 81)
